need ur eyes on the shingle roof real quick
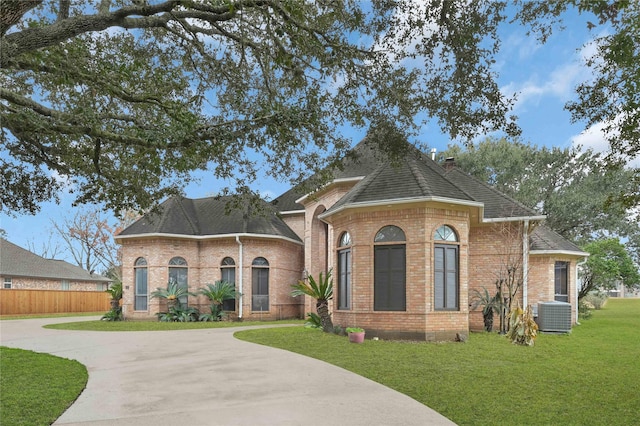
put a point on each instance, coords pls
(411, 178)
(496, 204)
(18, 262)
(209, 217)
(544, 238)
(362, 160)
(415, 176)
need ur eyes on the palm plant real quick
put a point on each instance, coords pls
(217, 293)
(322, 291)
(115, 290)
(171, 294)
(489, 305)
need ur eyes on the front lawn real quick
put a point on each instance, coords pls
(37, 388)
(591, 376)
(158, 325)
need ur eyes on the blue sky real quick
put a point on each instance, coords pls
(543, 76)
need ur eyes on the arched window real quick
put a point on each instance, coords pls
(389, 270)
(260, 284)
(446, 261)
(344, 271)
(178, 273)
(140, 292)
(446, 233)
(228, 274)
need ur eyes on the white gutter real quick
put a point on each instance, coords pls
(577, 310)
(239, 275)
(525, 265)
(513, 219)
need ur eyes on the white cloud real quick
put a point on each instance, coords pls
(594, 138)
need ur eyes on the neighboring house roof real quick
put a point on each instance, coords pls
(213, 216)
(18, 262)
(545, 240)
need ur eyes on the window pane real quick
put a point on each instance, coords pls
(260, 289)
(140, 291)
(445, 283)
(389, 234)
(178, 261)
(562, 281)
(227, 261)
(344, 279)
(389, 278)
(228, 275)
(260, 261)
(445, 233)
(345, 239)
(141, 261)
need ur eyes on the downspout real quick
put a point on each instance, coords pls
(578, 265)
(525, 264)
(239, 275)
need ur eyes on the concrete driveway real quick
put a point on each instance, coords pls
(207, 377)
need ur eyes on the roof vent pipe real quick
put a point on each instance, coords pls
(433, 154)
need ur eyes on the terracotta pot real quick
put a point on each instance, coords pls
(356, 337)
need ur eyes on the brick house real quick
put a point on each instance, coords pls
(22, 269)
(407, 242)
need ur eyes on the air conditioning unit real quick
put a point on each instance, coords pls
(554, 316)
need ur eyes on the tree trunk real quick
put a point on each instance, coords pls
(11, 11)
(325, 317)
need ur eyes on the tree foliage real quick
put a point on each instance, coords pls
(121, 100)
(576, 189)
(88, 238)
(609, 264)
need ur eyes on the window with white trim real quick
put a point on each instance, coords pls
(446, 260)
(228, 274)
(344, 271)
(389, 270)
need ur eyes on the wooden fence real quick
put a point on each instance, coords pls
(24, 302)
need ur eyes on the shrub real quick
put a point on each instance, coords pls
(313, 321)
(522, 328)
(179, 314)
(597, 298)
(584, 309)
(216, 314)
(113, 315)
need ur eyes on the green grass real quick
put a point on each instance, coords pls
(589, 377)
(37, 388)
(157, 325)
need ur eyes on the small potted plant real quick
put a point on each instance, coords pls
(356, 334)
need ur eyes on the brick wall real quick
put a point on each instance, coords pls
(204, 258)
(419, 222)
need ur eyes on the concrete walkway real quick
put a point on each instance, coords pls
(207, 377)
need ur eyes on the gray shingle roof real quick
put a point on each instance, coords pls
(415, 176)
(412, 178)
(544, 238)
(18, 262)
(362, 160)
(496, 204)
(209, 217)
